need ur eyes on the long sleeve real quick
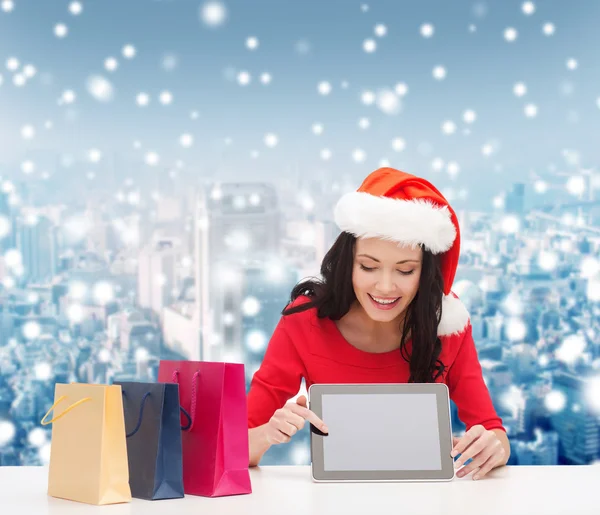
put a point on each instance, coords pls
(277, 380)
(468, 389)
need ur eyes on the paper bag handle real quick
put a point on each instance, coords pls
(45, 422)
(139, 422)
(192, 419)
(189, 419)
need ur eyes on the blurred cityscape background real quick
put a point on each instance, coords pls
(163, 206)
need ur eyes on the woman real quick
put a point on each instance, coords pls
(382, 312)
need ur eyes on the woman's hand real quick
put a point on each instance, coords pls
(290, 419)
(483, 447)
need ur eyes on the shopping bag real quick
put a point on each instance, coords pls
(215, 446)
(88, 452)
(153, 439)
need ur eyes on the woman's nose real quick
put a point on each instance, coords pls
(385, 284)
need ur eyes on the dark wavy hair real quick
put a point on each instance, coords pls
(333, 295)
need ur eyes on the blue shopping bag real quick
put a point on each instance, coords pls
(153, 430)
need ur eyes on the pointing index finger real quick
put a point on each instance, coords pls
(310, 416)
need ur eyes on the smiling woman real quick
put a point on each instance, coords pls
(382, 312)
(370, 288)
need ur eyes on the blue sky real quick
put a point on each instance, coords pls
(468, 41)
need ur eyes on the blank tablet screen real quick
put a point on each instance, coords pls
(388, 432)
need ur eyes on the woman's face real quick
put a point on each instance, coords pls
(385, 277)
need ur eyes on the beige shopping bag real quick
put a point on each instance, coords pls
(88, 451)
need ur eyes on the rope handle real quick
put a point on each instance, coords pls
(45, 422)
(139, 422)
(175, 379)
(189, 423)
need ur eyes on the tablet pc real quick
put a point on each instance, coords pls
(382, 432)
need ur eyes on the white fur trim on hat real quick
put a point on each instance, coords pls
(455, 316)
(412, 222)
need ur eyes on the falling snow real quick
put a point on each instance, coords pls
(165, 98)
(61, 30)
(427, 30)
(100, 88)
(549, 29)
(213, 14)
(368, 97)
(365, 120)
(380, 30)
(129, 51)
(142, 99)
(324, 88)
(510, 34)
(369, 46)
(520, 89)
(252, 43)
(8, 6)
(111, 64)
(439, 73)
(398, 144)
(401, 89)
(271, 140)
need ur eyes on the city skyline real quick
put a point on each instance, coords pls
(532, 290)
(166, 208)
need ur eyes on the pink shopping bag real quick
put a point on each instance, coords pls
(215, 445)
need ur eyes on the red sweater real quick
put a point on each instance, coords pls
(304, 346)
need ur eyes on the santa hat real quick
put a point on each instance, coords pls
(397, 206)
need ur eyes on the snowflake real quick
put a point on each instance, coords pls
(129, 51)
(75, 8)
(380, 30)
(510, 34)
(439, 73)
(369, 46)
(427, 30)
(61, 30)
(324, 88)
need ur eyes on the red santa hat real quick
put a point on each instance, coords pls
(400, 207)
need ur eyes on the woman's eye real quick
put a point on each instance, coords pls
(368, 269)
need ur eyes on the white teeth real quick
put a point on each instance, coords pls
(384, 301)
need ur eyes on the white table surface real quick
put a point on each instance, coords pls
(522, 490)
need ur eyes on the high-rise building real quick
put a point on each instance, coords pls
(158, 281)
(38, 245)
(541, 451)
(180, 330)
(244, 219)
(253, 307)
(4, 205)
(515, 199)
(6, 223)
(235, 223)
(576, 424)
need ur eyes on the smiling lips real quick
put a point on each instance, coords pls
(384, 303)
